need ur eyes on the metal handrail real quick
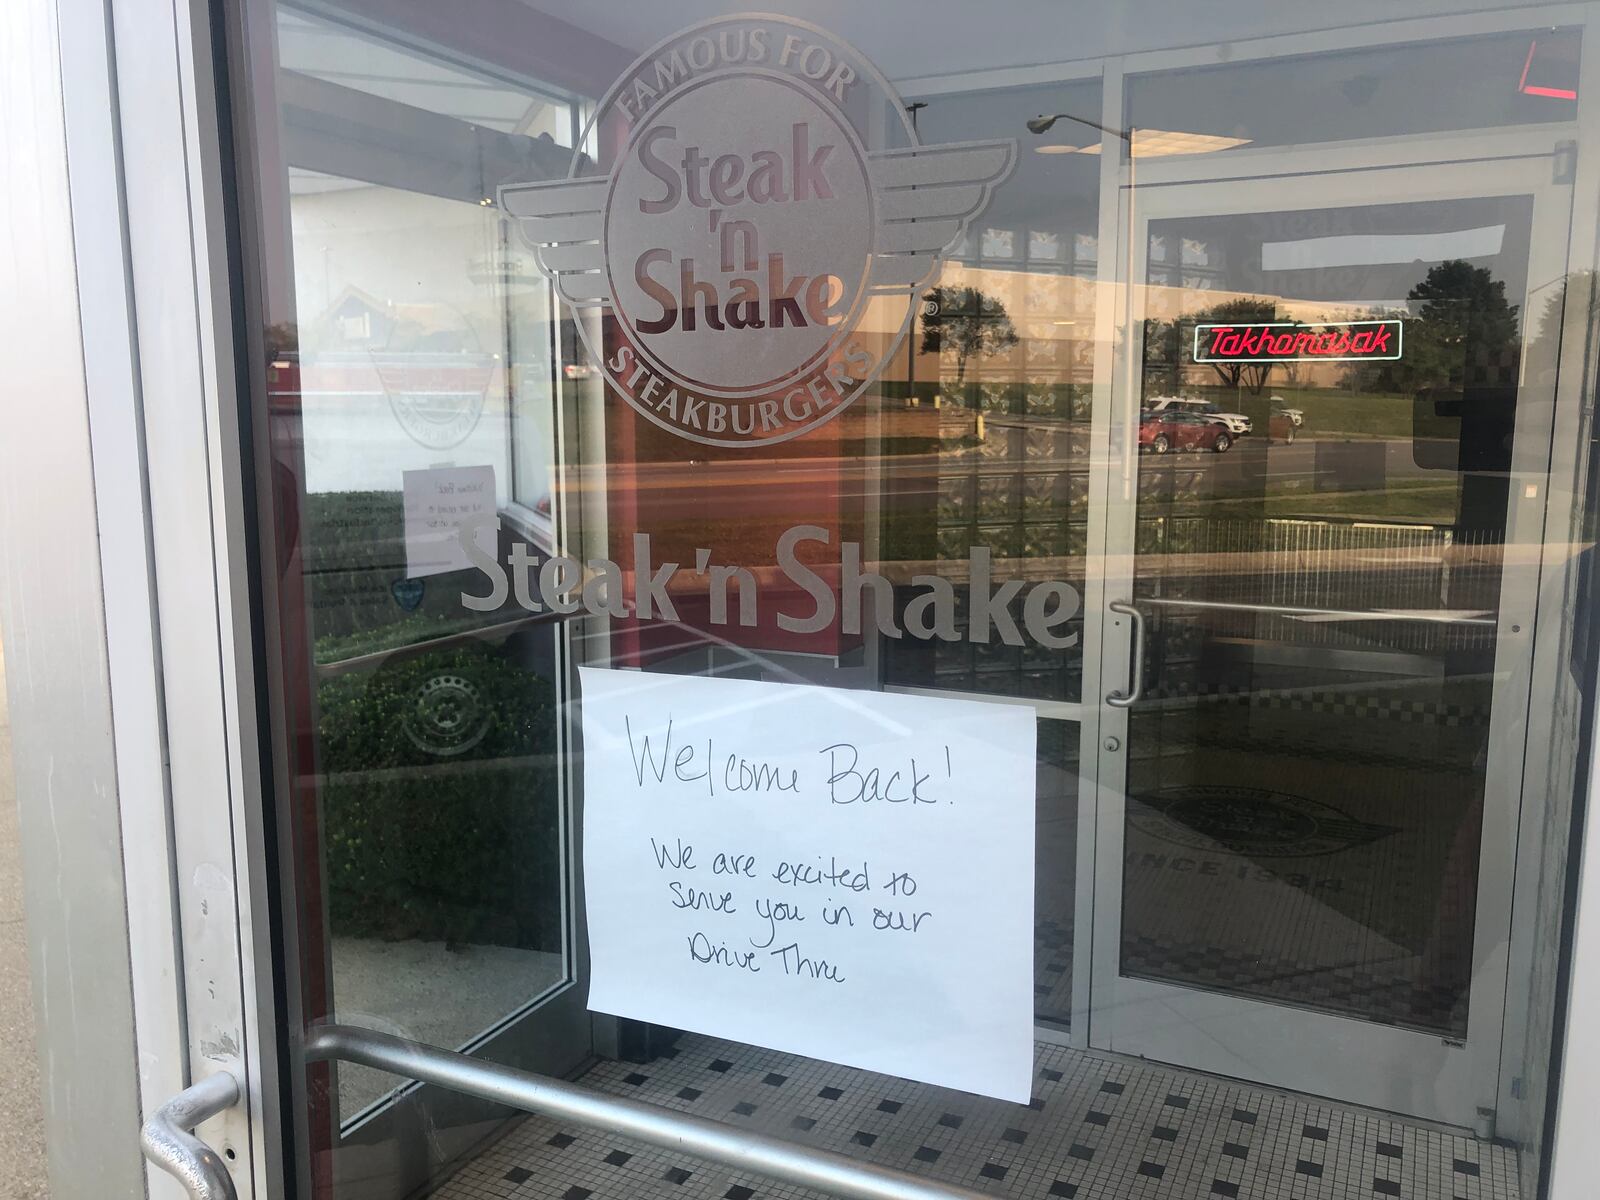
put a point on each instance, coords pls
(1292, 610)
(167, 1142)
(757, 1153)
(1130, 608)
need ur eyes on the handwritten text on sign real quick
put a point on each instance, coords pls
(444, 507)
(840, 874)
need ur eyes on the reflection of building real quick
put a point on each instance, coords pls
(355, 320)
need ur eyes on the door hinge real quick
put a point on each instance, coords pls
(1564, 162)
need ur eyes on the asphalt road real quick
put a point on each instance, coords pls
(754, 488)
(22, 1161)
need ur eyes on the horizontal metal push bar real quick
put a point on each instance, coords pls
(681, 1133)
(1292, 610)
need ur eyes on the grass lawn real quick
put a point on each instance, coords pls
(1330, 412)
(1353, 414)
(1405, 500)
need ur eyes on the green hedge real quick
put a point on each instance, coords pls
(439, 820)
(422, 843)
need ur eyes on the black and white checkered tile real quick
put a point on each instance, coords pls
(1365, 704)
(1096, 1128)
(1052, 969)
(1378, 990)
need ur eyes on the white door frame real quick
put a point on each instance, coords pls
(136, 170)
(182, 294)
(1381, 1066)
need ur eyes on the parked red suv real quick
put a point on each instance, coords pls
(1163, 432)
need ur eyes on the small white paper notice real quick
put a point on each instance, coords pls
(439, 501)
(840, 874)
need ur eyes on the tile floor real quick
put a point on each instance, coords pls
(1097, 1128)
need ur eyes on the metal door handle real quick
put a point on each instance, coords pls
(1440, 617)
(167, 1142)
(823, 1170)
(1136, 670)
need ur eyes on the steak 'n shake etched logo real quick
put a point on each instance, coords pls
(757, 228)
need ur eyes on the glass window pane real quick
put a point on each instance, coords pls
(1487, 82)
(909, 359)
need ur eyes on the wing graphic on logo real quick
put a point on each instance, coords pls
(564, 221)
(927, 195)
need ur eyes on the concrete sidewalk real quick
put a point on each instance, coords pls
(22, 1161)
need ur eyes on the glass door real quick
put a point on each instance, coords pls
(1335, 423)
(416, 378)
(434, 372)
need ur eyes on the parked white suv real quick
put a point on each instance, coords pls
(1237, 423)
(1297, 417)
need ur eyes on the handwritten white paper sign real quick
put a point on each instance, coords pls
(439, 502)
(840, 874)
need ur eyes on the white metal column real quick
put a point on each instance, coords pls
(125, 597)
(52, 610)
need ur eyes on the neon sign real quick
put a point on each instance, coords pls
(1290, 341)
